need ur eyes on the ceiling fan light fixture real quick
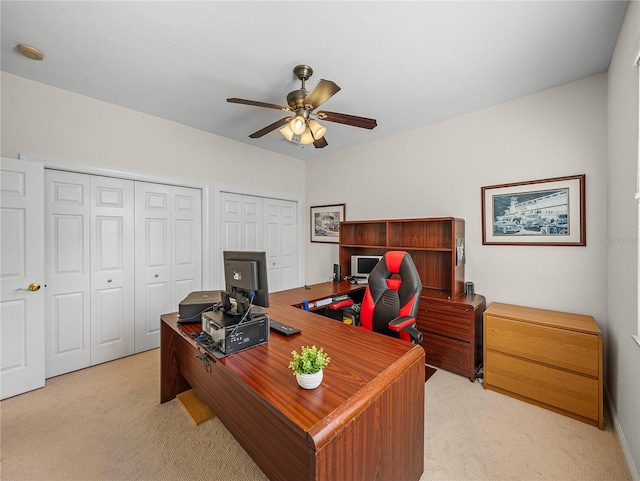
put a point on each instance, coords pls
(298, 124)
(307, 138)
(317, 129)
(286, 132)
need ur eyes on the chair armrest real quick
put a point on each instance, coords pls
(399, 323)
(341, 304)
(407, 324)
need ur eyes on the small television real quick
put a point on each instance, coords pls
(361, 266)
(245, 276)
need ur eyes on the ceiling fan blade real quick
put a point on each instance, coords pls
(321, 93)
(255, 103)
(269, 128)
(320, 143)
(353, 120)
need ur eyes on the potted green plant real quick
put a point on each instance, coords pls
(308, 365)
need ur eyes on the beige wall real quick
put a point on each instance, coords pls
(623, 354)
(53, 123)
(439, 170)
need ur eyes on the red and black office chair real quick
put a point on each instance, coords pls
(390, 303)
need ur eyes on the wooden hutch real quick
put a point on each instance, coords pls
(450, 320)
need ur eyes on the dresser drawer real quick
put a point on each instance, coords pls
(543, 384)
(450, 322)
(574, 351)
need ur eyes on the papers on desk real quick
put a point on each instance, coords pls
(324, 302)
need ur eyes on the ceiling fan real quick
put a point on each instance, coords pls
(302, 128)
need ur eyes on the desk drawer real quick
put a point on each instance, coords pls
(574, 351)
(449, 354)
(542, 384)
(450, 322)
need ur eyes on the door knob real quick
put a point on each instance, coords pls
(34, 286)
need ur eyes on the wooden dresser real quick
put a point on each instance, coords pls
(547, 358)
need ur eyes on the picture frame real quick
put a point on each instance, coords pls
(325, 222)
(547, 212)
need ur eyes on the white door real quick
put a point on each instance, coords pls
(252, 226)
(67, 272)
(187, 243)
(241, 224)
(22, 277)
(112, 269)
(153, 262)
(168, 255)
(262, 224)
(280, 224)
(230, 212)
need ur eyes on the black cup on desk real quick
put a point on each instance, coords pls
(469, 289)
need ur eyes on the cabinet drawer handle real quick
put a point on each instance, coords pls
(109, 280)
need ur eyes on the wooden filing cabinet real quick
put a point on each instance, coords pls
(452, 330)
(547, 358)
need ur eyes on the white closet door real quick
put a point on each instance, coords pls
(230, 221)
(262, 224)
(153, 262)
(280, 224)
(22, 274)
(112, 269)
(187, 243)
(252, 227)
(241, 225)
(168, 255)
(67, 272)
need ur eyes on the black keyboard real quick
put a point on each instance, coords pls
(281, 328)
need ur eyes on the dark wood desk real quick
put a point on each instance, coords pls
(364, 422)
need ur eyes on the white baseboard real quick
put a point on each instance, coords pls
(633, 469)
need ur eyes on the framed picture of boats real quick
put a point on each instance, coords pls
(538, 212)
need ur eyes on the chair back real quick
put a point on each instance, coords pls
(394, 290)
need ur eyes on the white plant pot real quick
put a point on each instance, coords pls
(309, 381)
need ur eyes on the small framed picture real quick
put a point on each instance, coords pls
(537, 212)
(325, 222)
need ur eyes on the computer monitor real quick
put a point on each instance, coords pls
(361, 266)
(245, 275)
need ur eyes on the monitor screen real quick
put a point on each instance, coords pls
(245, 274)
(361, 266)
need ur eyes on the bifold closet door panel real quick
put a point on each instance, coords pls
(153, 262)
(168, 255)
(280, 236)
(112, 268)
(186, 244)
(67, 272)
(241, 225)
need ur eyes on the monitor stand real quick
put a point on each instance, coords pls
(242, 305)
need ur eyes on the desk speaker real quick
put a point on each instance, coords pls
(337, 273)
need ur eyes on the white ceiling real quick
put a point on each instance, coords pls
(406, 64)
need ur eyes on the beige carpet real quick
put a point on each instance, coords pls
(106, 423)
